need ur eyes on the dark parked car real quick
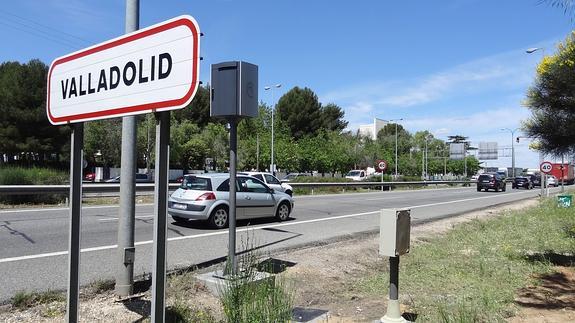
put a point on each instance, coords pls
(535, 179)
(522, 181)
(491, 181)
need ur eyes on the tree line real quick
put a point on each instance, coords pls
(308, 135)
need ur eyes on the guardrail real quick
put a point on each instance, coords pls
(149, 187)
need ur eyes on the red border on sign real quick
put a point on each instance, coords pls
(183, 21)
(545, 163)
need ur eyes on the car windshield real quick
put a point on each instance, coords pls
(353, 173)
(196, 183)
(485, 177)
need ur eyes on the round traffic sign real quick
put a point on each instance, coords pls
(382, 165)
(546, 167)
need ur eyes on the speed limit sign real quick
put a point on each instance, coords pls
(546, 167)
(382, 165)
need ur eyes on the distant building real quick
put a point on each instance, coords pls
(371, 130)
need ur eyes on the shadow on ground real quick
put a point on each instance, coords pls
(556, 259)
(555, 291)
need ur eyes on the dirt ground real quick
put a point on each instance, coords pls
(322, 275)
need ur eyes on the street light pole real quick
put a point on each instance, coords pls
(512, 149)
(395, 120)
(541, 156)
(273, 169)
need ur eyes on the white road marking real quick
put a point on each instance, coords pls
(65, 208)
(112, 219)
(225, 232)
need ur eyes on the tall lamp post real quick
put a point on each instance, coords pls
(395, 120)
(426, 164)
(277, 86)
(542, 180)
(512, 149)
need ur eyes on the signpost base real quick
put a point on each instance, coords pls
(393, 313)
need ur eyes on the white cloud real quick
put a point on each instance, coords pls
(512, 69)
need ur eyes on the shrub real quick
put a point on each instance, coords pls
(32, 176)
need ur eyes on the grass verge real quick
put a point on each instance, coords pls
(23, 300)
(471, 274)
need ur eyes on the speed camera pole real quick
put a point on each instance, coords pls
(234, 95)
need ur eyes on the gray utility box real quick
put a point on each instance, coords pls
(234, 90)
(394, 232)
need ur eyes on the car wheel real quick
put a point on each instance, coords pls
(504, 188)
(179, 219)
(283, 211)
(478, 189)
(496, 188)
(219, 217)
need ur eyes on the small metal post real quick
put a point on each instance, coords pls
(160, 216)
(393, 313)
(232, 265)
(75, 222)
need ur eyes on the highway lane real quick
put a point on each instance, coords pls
(35, 241)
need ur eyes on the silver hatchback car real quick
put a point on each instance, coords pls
(206, 197)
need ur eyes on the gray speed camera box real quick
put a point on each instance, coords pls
(394, 232)
(234, 90)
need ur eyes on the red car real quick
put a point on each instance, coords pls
(90, 177)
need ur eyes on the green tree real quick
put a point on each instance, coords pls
(332, 118)
(217, 140)
(198, 111)
(301, 111)
(551, 100)
(24, 128)
(181, 132)
(103, 142)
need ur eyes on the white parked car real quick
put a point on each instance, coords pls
(271, 181)
(552, 181)
(356, 175)
(206, 197)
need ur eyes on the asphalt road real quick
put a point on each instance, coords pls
(35, 241)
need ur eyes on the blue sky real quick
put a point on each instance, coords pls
(454, 67)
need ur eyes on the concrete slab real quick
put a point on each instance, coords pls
(215, 281)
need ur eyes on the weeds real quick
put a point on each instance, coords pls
(23, 300)
(246, 297)
(181, 312)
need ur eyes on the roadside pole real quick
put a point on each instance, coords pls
(232, 265)
(542, 180)
(160, 216)
(76, 160)
(127, 212)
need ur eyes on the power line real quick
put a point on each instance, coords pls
(37, 29)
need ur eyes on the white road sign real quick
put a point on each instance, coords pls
(546, 167)
(152, 69)
(382, 165)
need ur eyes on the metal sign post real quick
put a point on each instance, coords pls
(232, 265)
(76, 160)
(382, 166)
(160, 216)
(545, 168)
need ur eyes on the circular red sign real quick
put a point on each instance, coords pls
(382, 165)
(546, 167)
